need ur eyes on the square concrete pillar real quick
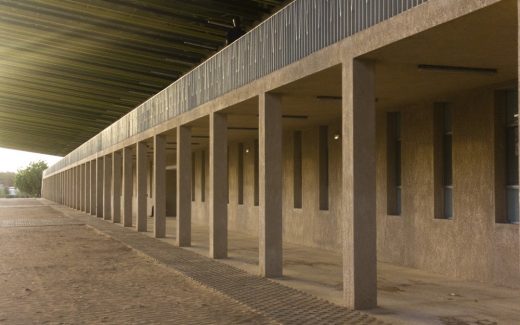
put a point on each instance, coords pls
(93, 187)
(107, 187)
(116, 187)
(183, 186)
(99, 187)
(77, 188)
(358, 205)
(127, 186)
(141, 175)
(81, 170)
(218, 171)
(270, 185)
(159, 185)
(87, 187)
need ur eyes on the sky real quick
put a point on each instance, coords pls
(12, 160)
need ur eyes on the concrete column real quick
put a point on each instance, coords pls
(127, 186)
(77, 188)
(358, 204)
(107, 187)
(159, 185)
(116, 187)
(87, 187)
(218, 170)
(82, 187)
(183, 186)
(93, 187)
(99, 187)
(141, 175)
(270, 185)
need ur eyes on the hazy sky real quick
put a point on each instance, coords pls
(12, 160)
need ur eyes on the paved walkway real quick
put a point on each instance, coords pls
(54, 269)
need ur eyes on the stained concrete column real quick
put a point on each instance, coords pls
(358, 204)
(218, 170)
(107, 187)
(141, 175)
(159, 185)
(270, 185)
(99, 187)
(87, 187)
(116, 187)
(183, 186)
(127, 186)
(93, 187)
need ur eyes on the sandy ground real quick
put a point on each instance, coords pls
(57, 271)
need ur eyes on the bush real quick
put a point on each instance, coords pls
(29, 180)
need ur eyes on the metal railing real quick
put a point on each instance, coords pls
(301, 28)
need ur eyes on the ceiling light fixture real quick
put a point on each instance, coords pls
(216, 23)
(449, 68)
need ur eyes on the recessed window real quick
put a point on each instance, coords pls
(324, 167)
(193, 160)
(203, 177)
(256, 171)
(394, 163)
(297, 169)
(506, 157)
(240, 173)
(443, 161)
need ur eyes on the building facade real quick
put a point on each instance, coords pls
(385, 130)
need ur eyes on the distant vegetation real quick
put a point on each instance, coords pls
(29, 180)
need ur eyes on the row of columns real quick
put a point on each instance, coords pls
(96, 186)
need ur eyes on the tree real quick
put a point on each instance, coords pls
(29, 180)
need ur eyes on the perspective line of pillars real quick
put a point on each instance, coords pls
(104, 186)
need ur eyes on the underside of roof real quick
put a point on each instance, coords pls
(70, 68)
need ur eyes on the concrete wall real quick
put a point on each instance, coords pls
(470, 246)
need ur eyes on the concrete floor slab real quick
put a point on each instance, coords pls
(405, 295)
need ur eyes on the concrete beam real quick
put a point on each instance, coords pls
(183, 186)
(358, 206)
(218, 187)
(270, 185)
(159, 185)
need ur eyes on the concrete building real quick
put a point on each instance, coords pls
(387, 130)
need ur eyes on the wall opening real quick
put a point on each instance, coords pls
(394, 163)
(324, 167)
(240, 173)
(443, 161)
(256, 177)
(506, 156)
(203, 176)
(297, 169)
(193, 160)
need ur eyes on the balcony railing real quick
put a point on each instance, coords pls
(301, 28)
